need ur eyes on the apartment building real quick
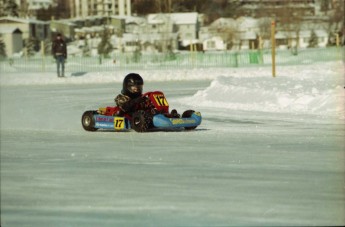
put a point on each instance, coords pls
(84, 8)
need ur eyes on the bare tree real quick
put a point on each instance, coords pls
(10, 8)
(230, 36)
(290, 20)
(335, 21)
(265, 27)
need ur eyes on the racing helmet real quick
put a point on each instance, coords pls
(133, 85)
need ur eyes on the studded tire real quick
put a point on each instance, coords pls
(88, 121)
(141, 121)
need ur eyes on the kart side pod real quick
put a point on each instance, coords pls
(190, 121)
(92, 121)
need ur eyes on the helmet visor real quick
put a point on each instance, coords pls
(135, 88)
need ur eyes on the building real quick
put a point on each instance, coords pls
(31, 28)
(84, 8)
(12, 37)
(184, 25)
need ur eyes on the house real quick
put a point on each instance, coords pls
(184, 26)
(228, 33)
(79, 28)
(66, 27)
(132, 24)
(214, 43)
(250, 33)
(30, 28)
(286, 40)
(12, 37)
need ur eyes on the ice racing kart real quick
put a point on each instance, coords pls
(152, 113)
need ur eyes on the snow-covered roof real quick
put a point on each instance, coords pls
(184, 18)
(157, 18)
(132, 19)
(302, 34)
(92, 29)
(176, 18)
(224, 22)
(9, 29)
(246, 23)
(23, 20)
(189, 42)
(145, 37)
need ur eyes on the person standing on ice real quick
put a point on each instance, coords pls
(59, 51)
(131, 98)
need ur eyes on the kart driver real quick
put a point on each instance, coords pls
(131, 95)
(131, 92)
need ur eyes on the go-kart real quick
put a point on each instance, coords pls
(152, 112)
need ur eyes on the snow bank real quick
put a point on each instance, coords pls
(318, 90)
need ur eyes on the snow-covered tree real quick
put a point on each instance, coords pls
(2, 50)
(105, 47)
(30, 47)
(86, 48)
(47, 47)
(136, 55)
(313, 41)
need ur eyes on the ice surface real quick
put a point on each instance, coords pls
(270, 151)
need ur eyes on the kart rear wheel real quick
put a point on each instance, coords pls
(88, 121)
(186, 114)
(141, 121)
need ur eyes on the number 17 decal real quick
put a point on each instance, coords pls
(161, 101)
(119, 123)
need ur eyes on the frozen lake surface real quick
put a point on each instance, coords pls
(270, 151)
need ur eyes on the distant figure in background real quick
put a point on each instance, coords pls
(59, 51)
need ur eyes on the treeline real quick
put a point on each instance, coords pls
(212, 8)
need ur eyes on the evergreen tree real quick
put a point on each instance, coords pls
(136, 55)
(86, 48)
(10, 8)
(2, 50)
(30, 47)
(47, 47)
(313, 41)
(105, 47)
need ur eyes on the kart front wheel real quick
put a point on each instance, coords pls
(186, 114)
(141, 121)
(88, 121)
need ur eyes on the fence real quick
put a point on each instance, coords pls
(249, 58)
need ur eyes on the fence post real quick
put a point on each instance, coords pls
(273, 44)
(236, 59)
(261, 57)
(43, 56)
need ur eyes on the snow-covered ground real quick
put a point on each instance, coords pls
(270, 151)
